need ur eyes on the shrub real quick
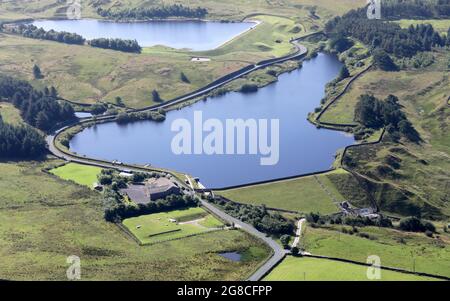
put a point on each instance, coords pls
(285, 240)
(295, 251)
(249, 88)
(414, 224)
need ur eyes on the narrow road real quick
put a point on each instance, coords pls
(278, 251)
(300, 51)
(298, 233)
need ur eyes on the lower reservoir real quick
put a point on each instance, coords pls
(302, 147)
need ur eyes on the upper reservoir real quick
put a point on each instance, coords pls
(302, 147)
(194, 35)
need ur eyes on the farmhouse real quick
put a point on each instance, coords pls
(160, 188)
(151, 190)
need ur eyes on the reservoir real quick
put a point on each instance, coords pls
(194, 35)
(302, 147)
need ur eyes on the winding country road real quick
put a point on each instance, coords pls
(278, 251)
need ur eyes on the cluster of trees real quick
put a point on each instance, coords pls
(158, 116)
(373, 113)
(420, 60)
(116, 44)
(423, 9)
(249, 88)
(414, 224)
(258, 216)
(142, 13)
(383, 61)
(98, 108)
(20, 141)
(116, 210)
(354, 221)
(40, 109)
(31, 31)
(388, 36)
(112, 178)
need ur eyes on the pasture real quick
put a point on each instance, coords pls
(44, 219)
(10, 114)
(79, 173)
(314, 269)
(159, 227)
(405, 250)
(305, 194)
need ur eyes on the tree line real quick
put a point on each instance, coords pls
(33, 32)
(423, 9)
(116, 210)
(20, 141)
(388, 36)
(158, 116)
(374, 113)
(409, 224)
(257, 216)
(142, 13)
(116, 44)
(40, 109)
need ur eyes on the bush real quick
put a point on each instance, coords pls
(414, 224)
(259, 217)
(184, 78)
(285, 240)
(155, 96)
(295, 251)
(383, 61)
(249, 88)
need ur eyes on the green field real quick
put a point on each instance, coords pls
(228, 10)
(422, 175)
(440, 25)
(303, 194)
(44, 219)
(157, 227)
(402, 84)
(79, 173)
(395, 248)
(86, 74)
(10, 114)
(314, 269)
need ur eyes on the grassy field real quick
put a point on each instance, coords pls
(419, 184)
(44, 219)
(79, 173)
(87, 75)
(303, 194)
(382, 84)
(233, 9)
(440, 25)
(157, 227)
(314, 269)
(10, 114)
(395, 248)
